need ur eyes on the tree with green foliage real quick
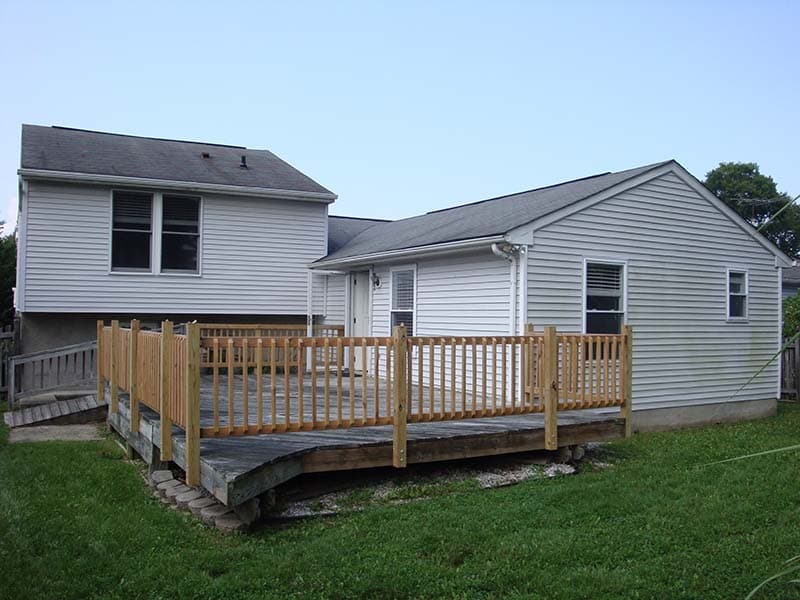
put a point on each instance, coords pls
(8, 277)
(791, 316)
(756, 198)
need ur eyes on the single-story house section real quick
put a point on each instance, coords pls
(650, 247)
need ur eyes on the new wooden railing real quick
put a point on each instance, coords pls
(270, 384)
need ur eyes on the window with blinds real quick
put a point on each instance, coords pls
(402, 306)
(180, 233)
(131, 231)
(737, 295)
(605, 311)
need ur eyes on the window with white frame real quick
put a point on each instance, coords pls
(131, 231)
(402, 307)
(605, 298)
(737, 294)
(158, 229)
(180, 233)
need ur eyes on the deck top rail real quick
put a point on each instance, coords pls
(241, 382)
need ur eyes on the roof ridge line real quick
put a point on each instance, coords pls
(147, 137)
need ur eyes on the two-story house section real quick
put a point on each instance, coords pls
(116, 226)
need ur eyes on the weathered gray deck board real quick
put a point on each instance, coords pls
(236, 468)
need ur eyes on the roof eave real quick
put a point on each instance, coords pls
(236, 190)
(403, 253)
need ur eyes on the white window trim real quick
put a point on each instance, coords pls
(411, 267)
(746, 294)
(155, 235)
(605, 261)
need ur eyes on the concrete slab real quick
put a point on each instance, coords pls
(49, 433)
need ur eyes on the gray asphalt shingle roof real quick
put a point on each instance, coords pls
(486, 218)
(791, 275)
(97, 153)
(343, 229)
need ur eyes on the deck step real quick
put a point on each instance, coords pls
(84, 409)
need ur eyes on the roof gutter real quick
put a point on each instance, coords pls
(429, 250)
(236, 190)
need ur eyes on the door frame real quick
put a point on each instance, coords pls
(348, 325)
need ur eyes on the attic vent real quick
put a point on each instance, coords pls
(243, 164)
(206, 155)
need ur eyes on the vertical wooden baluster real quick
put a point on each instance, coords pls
(287, 397)
(420, 379)
(614, 370)
(300, 369)
(376, 356)
(230, 356)
(364, 397)
(503, 373)
(582, 371)
(484, 361)
(326, 382)
(339, 366)
(431, 378)
(442, 370)
(314, 347)
(245, 385)
(260, 382)
(351, 366)
(574, 376)
(474, 377)
(463, 412)
(389, 379)
(513, 389)
(273, 381)
(165, 389)
(494, 376)
(452, 344)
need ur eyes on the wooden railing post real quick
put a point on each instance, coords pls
(165, 390)
(526, 368)
(400, 391)
(113, 356)
(101, 384)
(627, 378)
(133, 343)
(550, 385)
(193, 404)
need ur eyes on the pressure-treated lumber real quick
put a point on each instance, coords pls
(133, 344)
(101, 384)
(550, 382)
(192, 404)
(165, 390)
(399, 343)
(113, 379)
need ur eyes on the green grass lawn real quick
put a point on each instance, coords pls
(76, 521)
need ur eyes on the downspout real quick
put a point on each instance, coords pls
(509, 252)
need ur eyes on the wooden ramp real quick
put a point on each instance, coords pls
(69, 411)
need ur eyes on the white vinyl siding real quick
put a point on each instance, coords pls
(254, 254)
(678, 248)
(333, 299)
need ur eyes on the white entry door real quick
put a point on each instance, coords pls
(359, 310)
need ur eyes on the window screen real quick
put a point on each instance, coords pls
(737, 295)
(180, 233)
(402, 309)
(131, 231)
(604, 298)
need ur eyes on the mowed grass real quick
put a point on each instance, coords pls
(77, 522)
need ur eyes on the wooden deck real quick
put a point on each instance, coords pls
(237, 468)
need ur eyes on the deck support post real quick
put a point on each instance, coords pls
(165, 390)
(101, 384)
(400, 392)
(133, 344)
(192, 404)
(113, 384)
(550, 384)
(627, 378)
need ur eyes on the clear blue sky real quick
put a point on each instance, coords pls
(406, 107)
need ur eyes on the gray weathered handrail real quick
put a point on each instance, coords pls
(47, 370)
